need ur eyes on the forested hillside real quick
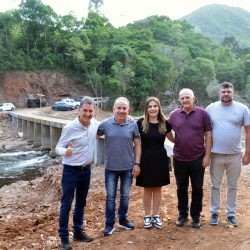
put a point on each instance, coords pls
(221, 21)
(154, 56)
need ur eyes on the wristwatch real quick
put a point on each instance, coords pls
(136, 163)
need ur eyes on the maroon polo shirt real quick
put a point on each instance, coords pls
(189, 133)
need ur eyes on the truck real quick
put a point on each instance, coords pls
(36, 103)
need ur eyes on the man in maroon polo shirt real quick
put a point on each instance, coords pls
(192, 129)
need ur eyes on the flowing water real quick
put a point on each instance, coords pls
(16, 166)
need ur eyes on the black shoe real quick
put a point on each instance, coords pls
(83, 237)
(65, 245)
(108, 230)
(181, 221)
(125, 224)
(232, 221)
(214, 219)
(196, 223)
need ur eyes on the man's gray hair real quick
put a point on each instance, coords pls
(121, 99)
(186, 90)
(87, 100)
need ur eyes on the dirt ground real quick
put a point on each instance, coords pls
(29, 215)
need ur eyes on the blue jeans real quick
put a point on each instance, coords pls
(183, 171)
(111, 182)
(74, 181)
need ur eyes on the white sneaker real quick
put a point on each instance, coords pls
(148, 222)
(157, 221)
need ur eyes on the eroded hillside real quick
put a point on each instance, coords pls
(18, 86)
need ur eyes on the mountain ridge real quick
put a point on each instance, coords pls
(218, 21)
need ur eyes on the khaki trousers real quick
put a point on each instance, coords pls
(231, 165)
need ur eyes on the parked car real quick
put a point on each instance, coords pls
(35, 103)
(62, 106)
(80, 98)
(97, 100)
(7, 106)
(74, 104)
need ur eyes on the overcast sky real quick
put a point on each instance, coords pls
(121, 12)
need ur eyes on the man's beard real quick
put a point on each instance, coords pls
(226, 99)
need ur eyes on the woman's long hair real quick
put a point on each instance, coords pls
(161, 118)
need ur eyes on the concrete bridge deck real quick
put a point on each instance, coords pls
(38, 130)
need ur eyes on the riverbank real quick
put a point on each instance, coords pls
(9, 139)
(29, 217)
(18, 160)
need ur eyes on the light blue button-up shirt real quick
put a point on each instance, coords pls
(83, 142)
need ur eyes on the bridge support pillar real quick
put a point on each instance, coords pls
(55, 134)
(99, 151)
(24, 129)
(45, 137)
(30, 132)
(14, 121)
(37, 135)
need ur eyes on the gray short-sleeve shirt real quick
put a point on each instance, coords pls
(119, 146)
(227, 122)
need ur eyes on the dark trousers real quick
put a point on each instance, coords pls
(75, 181)
(184, 170)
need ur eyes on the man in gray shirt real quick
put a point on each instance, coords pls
(227, 117)
(121, 135)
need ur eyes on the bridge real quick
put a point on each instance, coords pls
(44, 132)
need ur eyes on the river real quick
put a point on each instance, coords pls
(20, 165)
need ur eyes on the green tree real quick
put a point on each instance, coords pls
(123, 76)
(37, 22)
(233, 72)
(149, 57)
(223, 55)
(199, 73)
(248, 87)
(231, 43)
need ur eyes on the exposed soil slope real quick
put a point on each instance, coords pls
(18, 86)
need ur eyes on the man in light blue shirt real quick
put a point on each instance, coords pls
(227, 118)
(76, 145)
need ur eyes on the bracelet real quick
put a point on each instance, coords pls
(138, 164)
